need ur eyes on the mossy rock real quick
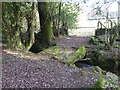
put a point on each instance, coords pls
(112, 76)
(62, 55)
(108, 61)
(96, 69)
(69, 58)
(59, 57)
(76, 56)
(53, 50)
(103, 84)
(73, 65)
(99, 70)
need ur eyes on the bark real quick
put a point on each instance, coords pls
(45, 24)
(30, 31)
(54, 25)
(64, 29)
(17, 40)
(59, 18)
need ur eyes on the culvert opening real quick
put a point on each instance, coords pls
(82, 64)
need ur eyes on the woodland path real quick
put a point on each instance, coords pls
(20, 72)
(73, 41)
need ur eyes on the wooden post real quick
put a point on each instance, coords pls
(119, 12)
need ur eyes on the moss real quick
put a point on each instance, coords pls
(102, 84)
(27, 54)
(99, 83)
(69, 58)
(103, 72)
(40, 58)
(58, 57)
(112, 76)
(92, 74)
(93, 41)
(84, 68)
(52, 50)
(73, 65)
(97, 69)
(83, 74)
(79, 54)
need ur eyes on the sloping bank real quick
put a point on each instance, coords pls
(69, 57)
(107, 79)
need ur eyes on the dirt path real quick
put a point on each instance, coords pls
(28, 73)
(72, 41)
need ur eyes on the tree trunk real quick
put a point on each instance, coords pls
(59, 18)
(45, 24)
(54, 26)
(30, 32)
(17, 40)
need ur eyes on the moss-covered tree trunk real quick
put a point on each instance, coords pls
(30, 32)
(45, 24)
(17, 40)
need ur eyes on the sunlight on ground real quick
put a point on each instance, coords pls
(82, 32)
(11, 52)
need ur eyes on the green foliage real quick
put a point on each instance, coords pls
(117, 46)
(93, 41)
(112, 33)
(12, 15)
(100, 32)
(69, 13)
(100, 47)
